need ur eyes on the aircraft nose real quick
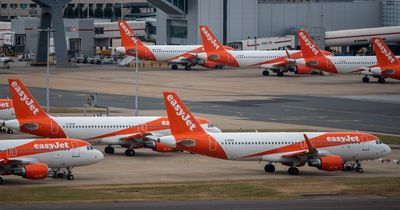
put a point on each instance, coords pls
(120, 50)
(98, 156)
(387, 150)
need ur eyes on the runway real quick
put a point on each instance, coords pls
(352, 113)
(345, 203)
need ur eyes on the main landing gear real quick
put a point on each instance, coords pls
(130, 152)
(174, 67)
(6, 130)
(187, 68)
(109, 150)
(265, 73)
(269, 168)
(279, 74)
(293, 171)
(381, 80)
(63, 174)
(354, 166)
(1, 181)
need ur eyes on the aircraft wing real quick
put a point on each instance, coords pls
(18, 161)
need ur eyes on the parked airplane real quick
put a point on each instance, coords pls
(388, 65)
(185, 55)
(328, 151)
(129, 132)
(272, 60)
(33, 158)
(314, 58)
(6, 113)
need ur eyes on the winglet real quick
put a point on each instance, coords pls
(127, 36)
(310, 147)
(209, 40)
(180, 118)
(308, 47)
(25, 104)
(384, 55)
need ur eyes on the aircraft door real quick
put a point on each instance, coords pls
(365, 143)
(212, 144)
(54, 127)
(12, 152)
(75, 150)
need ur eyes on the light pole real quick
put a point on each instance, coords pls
(48, 30)
(137, 76)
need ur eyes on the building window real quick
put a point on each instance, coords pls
(178, 32)
(23, 6)
(13, 6)
(99, 30)
(99, 5)
(3, 6)
(32, 6)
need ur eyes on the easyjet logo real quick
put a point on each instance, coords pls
(5, 105)
(309, 43)
(347, 138)
(52, 146)
(25, 99)
(127, 31)
(210, 38)
(384, 51)
(180, 113)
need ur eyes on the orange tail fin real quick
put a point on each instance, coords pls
(209, 40)
(127, 36)
(25, 104)
(180, 118)
(383, 54)
(308, 47)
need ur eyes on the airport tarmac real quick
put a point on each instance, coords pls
(154, 167)
(232, 99)
(344, 203)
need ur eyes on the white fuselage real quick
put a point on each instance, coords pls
(238, 146)
(80, 156)
(172, 53)
(255, 58)
(108, 129)
(7, 114)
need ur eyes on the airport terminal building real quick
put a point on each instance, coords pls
(233, 20)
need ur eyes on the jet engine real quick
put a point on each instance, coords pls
(32, 171)
(328, 163)
(300, 69)
(158, 147)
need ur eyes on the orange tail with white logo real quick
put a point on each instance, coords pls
(308, 47)
(180, 119)
(31, 117)
(127, 36)
(210, 41)
(187, 132)
(25, 104)
(384, 55)
(215, 50)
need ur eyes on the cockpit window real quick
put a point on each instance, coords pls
(90, 148)
(379, 141)
(210, 125)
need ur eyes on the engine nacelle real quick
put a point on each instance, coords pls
(328, 163)
(167, 141)
(158, 147)
(211, 64)
(33, 171)
(300, 69)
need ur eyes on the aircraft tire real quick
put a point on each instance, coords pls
(70, 177)
(360, 170)
(10, 131)
(381, 80)
(265, 73)
(365, 79)
(174, 67)
(130, 152)
(1, 181)
(269, 168)
(293, 171)
(279, 74)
